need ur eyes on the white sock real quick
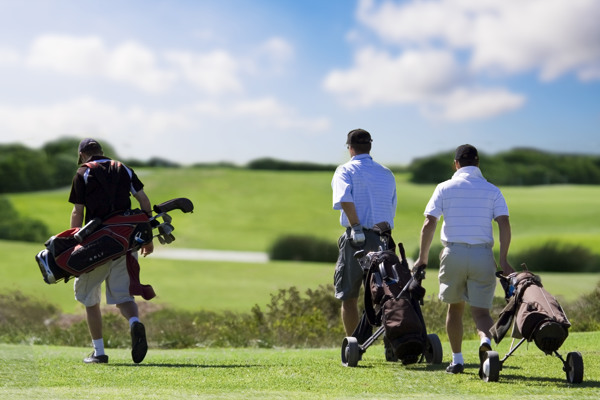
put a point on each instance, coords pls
(457, 358)
(98, 346)
(486, 340)
(132, 320)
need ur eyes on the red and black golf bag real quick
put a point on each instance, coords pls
(80, 250)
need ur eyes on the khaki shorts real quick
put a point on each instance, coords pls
(467, 273)
(114, 273)
(348, 275)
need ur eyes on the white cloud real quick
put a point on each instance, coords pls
(553, 37)
(141, 132)
(9, 57)
(378, 77)
(435, 54)
(465, 104)
(214, 72)
(129, 62)
(133, 63)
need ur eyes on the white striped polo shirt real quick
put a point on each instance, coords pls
(370, 186)
(468, 203)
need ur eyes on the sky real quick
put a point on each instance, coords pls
(235, 80)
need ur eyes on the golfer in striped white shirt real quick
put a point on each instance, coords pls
(365, 193)
(469, 204)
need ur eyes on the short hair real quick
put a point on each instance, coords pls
(361, 148)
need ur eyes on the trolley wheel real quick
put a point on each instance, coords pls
(350, 352)
(433, 349)
(490, 368)
(574, 367)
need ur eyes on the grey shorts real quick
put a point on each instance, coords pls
(114, 273)
(348, 275)
(467, 273)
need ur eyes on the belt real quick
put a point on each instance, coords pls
(485, 245)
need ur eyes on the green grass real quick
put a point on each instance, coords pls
(247, 210)
(192, 285)
(45, 372)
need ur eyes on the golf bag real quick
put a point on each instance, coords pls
(80, 250)
(76, 251)
(537, 315)
(398, 311)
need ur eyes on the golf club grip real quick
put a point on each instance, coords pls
(87, 229)
(180, 203)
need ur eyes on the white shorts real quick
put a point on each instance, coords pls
(467, 273)
(114, 273)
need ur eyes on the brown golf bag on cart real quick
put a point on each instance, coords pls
(537, 314)
(391, 300)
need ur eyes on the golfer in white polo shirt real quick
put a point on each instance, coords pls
(469, 204)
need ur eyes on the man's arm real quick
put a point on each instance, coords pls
(427, 232)
(350, 211)
(146, 206)
(77, 215)
(505, 236)
(357, 235)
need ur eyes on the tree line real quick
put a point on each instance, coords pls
(517, 167)
(23, 169)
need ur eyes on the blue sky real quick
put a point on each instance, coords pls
(235, 80)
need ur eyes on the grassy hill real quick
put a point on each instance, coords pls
(247, 210)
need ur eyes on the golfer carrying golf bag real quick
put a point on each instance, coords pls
(365, 193)
(102, 187)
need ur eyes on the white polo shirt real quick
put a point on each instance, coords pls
(468, 203)
(370, 186)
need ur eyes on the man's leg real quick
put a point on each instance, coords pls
(94, 321)
(128, 309)
(350, 315)
(454, 326)
(139, 345)
(483, 321)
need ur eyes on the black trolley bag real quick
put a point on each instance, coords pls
(535, 316)
(392, 299)
(80, 250)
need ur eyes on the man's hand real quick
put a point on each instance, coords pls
(147, 249)
(357, 235)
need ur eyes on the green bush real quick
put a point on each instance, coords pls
(558, 257)
(434, 255)
(280, 165)
(16, 227)
(584, 313)
(303, 248)
(290, 320)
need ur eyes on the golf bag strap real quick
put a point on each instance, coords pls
(370, 313)
(135, 287)
(505, 320)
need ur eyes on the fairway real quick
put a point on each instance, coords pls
(238, 209)
(45, 372)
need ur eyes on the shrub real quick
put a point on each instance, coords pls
(280, 165)
(434, 255)
(15, 227)
(558, 257)
(295, 321)
(584, 313)
(303, 248)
